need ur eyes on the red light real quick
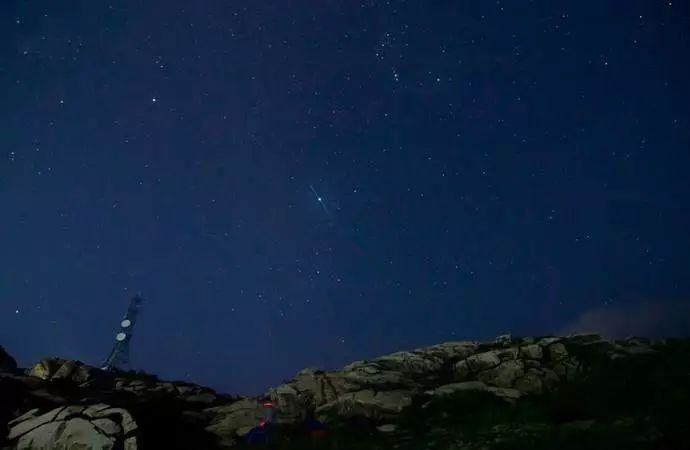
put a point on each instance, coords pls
(268, 404)
(262, 423)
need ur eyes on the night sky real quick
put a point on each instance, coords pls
(306, 183)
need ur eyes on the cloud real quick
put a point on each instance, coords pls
(644, 319)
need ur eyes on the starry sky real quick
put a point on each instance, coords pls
(307, 183)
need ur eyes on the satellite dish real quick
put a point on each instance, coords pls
(120, 337)
(125, 323)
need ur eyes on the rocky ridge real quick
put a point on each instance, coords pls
(454, 395)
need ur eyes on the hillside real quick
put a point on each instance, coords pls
(512, 393)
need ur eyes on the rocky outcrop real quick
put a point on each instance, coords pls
(62, 369)
(75, 426)
(230, 422)
(429, 391)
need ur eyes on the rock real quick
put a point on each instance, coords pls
(93, 410)
(131, 444)
(530, 383)
(311, 389)
(583, 338)
(531, 364)
(74, 433)
(549, 379)
(125, 419)
(640, 349)
(507, 353)
(366, 403)
(206, 398)
(378, 392)
(508, 394)
(7, 362)
(69, 412)
(532, 351)
(69, 428)
(462, 371)
(503, 375)
(30, 414)
(410, 363)
(556, 352)
(31, 422)
(226, 420)
(483, 361)
(454, 388)
(241, 431)
(387, 428)
(451, 350)
(545, 342)
(291, 407)
(61, 369)
(369, 374)
(107, 426)
(504, 340)
(45, 368)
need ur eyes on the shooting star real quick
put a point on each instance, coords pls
(320, 199)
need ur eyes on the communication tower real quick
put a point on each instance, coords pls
(119, 355)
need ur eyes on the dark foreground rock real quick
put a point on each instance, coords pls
(514, 393)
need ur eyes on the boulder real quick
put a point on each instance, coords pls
(454, 388)
(454, 350)
(546, 341)
(532, 351)
(228, 421)
(507, 394)
(483, 361)
(410, 363)
(387, 428)
(462, 371)
(530, 383)
(504, 340)
(556, 352)
(61, 369)
(70, 428)
(508, 353)
(366, 403)
(503, 375)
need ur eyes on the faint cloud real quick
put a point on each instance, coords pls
(644, 319)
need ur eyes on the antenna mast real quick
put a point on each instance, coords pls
(119, 355)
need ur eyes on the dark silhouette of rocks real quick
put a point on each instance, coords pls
(577, 391)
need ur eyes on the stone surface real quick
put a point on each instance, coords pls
(503, 375)
(387, 428)
(483, 361)
(366, 403)
(556, 352)
(453, 388)
(61, 369)
(532, 351)
(70, 428)
(225, 421)
(382, 392)
(75, 433)
(530, 383)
